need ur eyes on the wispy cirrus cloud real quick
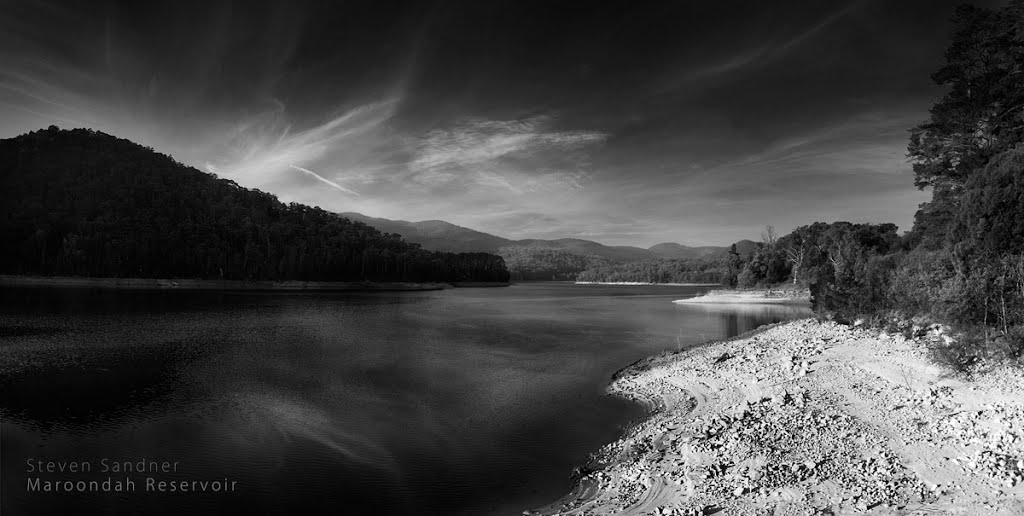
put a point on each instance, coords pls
(867, 142)
(777, 47)
(515, 155)
(265, 148)
(851, 169)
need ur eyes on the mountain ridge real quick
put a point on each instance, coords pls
(440, 235)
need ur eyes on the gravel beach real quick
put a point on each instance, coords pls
(809, 417)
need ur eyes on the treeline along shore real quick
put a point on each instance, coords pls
(13, 280)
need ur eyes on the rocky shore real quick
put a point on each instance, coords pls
(809, 417)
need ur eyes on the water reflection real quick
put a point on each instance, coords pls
(737, 319)
(477, 401)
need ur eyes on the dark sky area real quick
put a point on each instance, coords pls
(623, 122)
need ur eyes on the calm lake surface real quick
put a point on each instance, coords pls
(464, 401)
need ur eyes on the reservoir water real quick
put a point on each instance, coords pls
(463, 401)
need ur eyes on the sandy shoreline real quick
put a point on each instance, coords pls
(809, 418)
(11, 280)
(749, 297)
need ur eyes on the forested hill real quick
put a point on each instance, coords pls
(546, 264)
(81, 202)
(694, 270)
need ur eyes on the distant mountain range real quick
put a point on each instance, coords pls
(673, 250)
(438, 235)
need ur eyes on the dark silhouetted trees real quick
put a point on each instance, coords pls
(980, 116)
(990, 219)
(84, 203)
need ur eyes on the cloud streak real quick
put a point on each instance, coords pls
(515, 155)
(325, 180)
(734, 64)
(261, 149)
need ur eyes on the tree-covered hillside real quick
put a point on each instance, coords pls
(545, 264)
(693, 270)
(81, 202)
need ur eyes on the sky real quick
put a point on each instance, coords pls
(628, 123)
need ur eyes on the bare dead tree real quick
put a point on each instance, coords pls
(796, 255)
(769, 238)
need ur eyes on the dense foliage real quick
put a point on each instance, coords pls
(545, 263)
(768, 264)
(980, 117)
(839, 261)
(81, 202)
(963, 263)
(661, 271)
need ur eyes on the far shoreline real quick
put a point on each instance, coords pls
(757, 296)
(164, 284)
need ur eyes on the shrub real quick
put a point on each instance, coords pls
(1009, 347)
(961, 356)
